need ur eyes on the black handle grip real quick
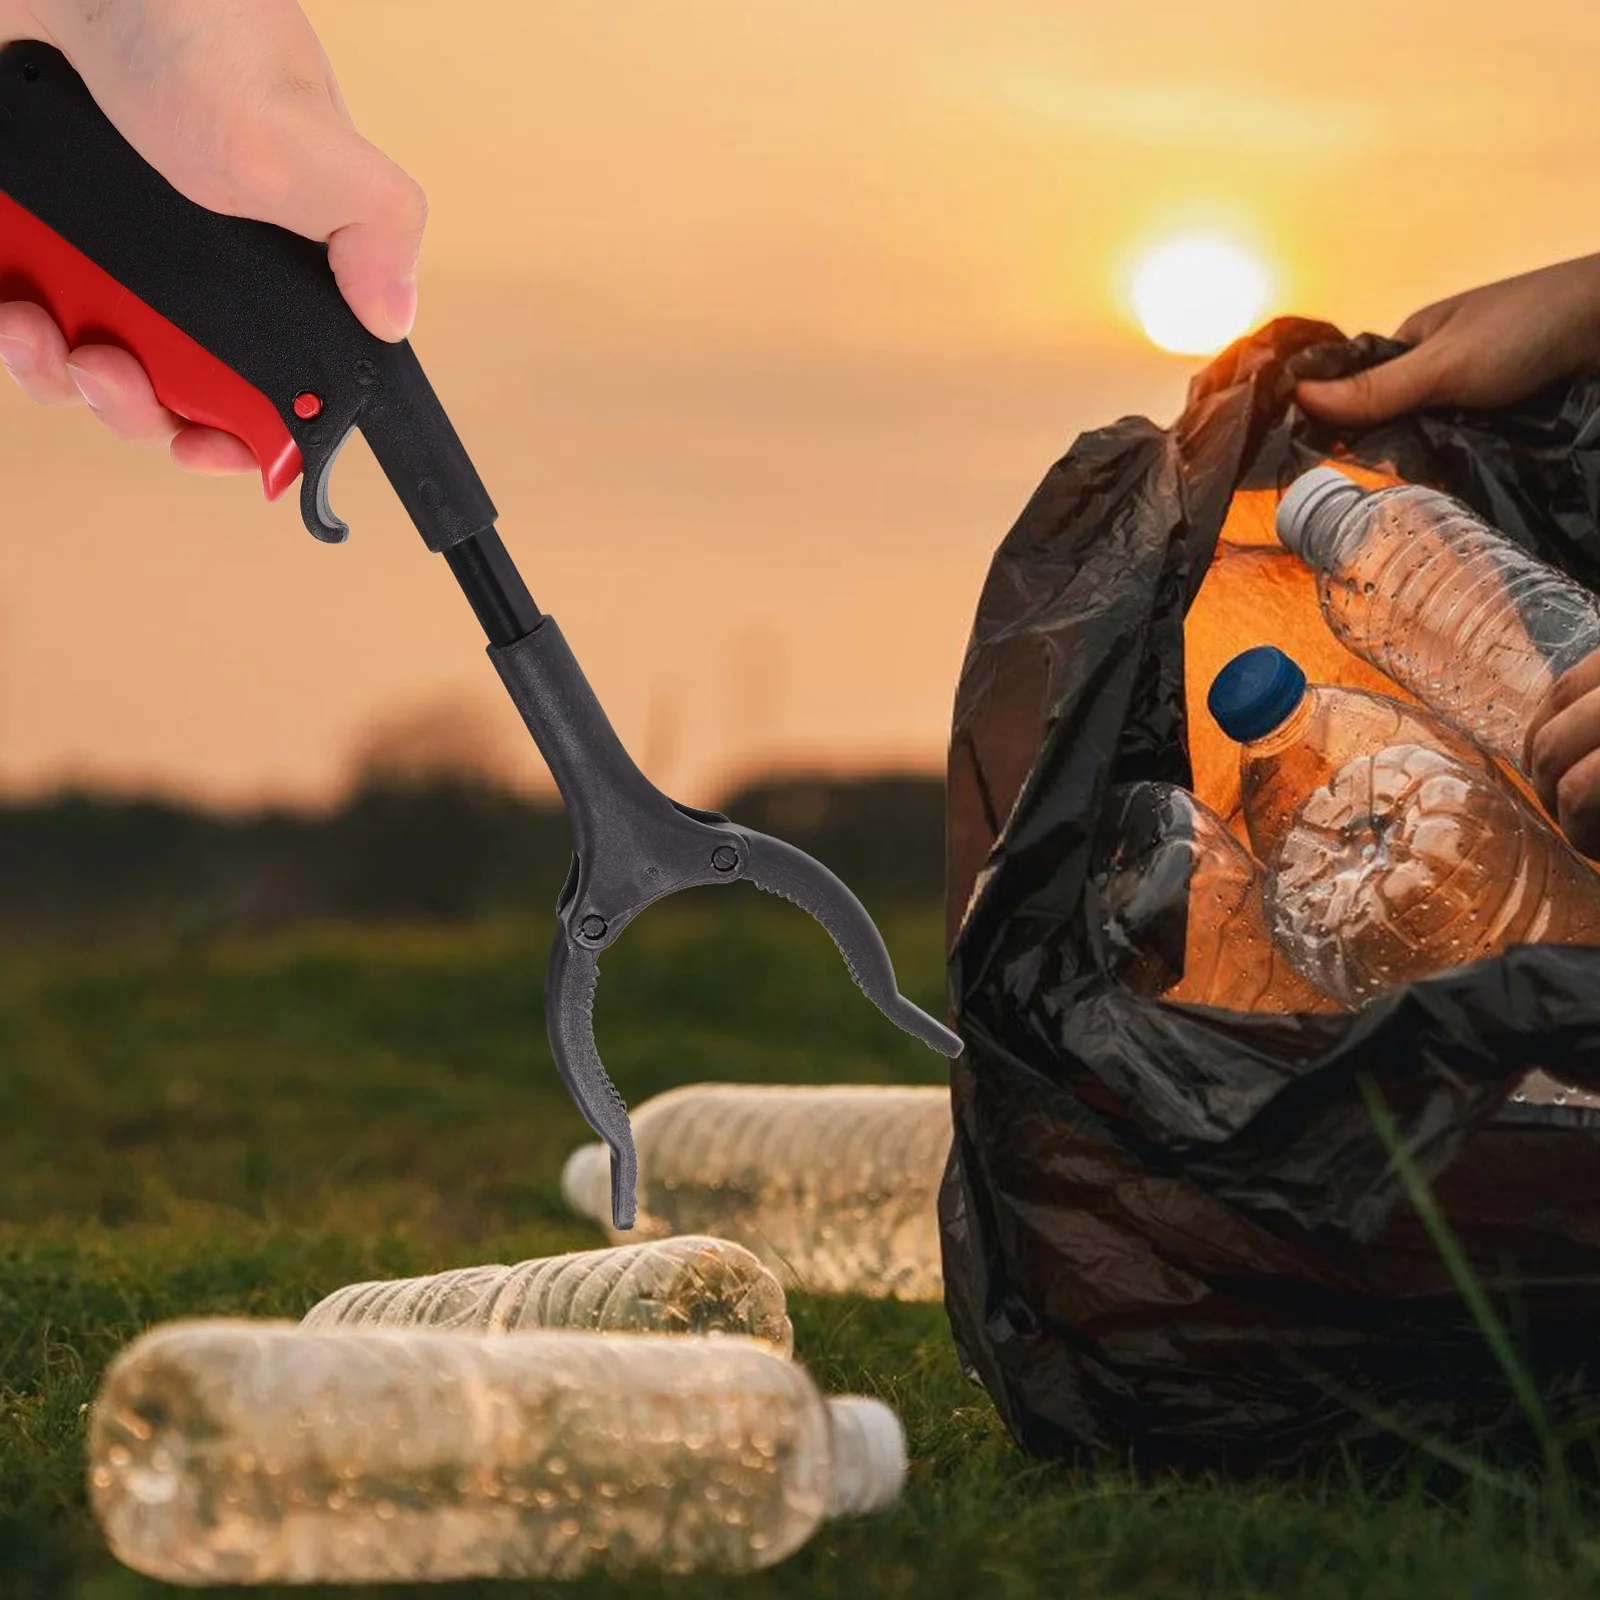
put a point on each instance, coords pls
(257, 299)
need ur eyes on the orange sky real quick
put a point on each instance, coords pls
(761, 319)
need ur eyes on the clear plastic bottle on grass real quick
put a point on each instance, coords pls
(235, 1452)
(1183, 907)
(686, 1285)
(834, 1187)
(1445, 605)
(1395, 848)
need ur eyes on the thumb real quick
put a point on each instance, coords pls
(1375, 394)
(238, 108)
(371, 214)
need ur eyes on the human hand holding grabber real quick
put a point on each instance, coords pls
(241, 327)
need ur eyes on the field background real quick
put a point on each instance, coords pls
(234, 1113)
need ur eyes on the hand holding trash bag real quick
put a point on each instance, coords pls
(237, 107)
(1492, 346)
(1496, 346)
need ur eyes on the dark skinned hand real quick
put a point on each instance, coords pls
(1563, 754)
(1493, 347)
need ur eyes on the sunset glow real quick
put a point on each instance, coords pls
(759, 323)
(1198, 292)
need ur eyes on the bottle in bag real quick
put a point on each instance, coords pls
(1449, 608)
(1183, 909)
(834, 1188)
(1395, 848)
(688, 1285)
(245, 1452)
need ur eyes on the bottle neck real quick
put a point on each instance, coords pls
(1325, 527)
(1290, 731)
(586, 1182)
(869, 1456)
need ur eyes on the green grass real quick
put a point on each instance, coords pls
(240, 1129)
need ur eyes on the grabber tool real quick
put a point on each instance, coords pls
(241, 327)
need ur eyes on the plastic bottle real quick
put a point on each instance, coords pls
(248, 1452)
(1431, 595)
(834, 1188)
(1395, 848)
(689, 1285)
(1183, 909)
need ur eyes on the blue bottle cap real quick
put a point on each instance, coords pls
(1255, 692)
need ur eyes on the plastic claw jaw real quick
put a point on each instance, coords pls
(574, 978)
(633, 846)
(781, 869)
(570, 985)
(656, 853)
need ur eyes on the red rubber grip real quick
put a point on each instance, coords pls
(91, 307)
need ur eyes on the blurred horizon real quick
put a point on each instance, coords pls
(407, 844)
(761, 323)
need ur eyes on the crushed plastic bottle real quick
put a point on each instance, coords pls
(687, 1285)
(1294, 736)
(1446, 606)
(239, 1452)
(1407, 862)
(835, 1188)
(1395, 848)
(1183, 908)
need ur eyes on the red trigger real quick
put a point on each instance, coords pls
(91, 307)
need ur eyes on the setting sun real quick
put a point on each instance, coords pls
(1195, 293)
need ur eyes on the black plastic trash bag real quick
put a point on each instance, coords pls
(1174, 1233)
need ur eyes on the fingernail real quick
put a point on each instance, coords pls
(16, 355)
(400, 302)
(91, 388)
